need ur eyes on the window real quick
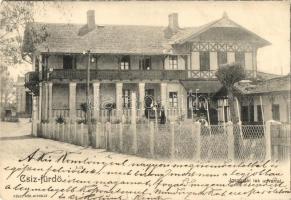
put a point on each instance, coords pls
(221, 57)
(125, 63)
(145, 63)
(204, 61)
(276, 112)
(68, 62)
(173, 99)
(252, 113)
(173, 62)
(244, 113)
(126, 98)
(259, 113)
(240, 58)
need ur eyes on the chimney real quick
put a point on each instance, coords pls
(173, 22)
(91, 19)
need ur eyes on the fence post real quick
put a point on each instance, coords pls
(81, 135)
(58, 132)
(120, 137)
(75, 133)
(107, 135)
(152, 139)
(98, 135)
(134, 138)
(172, 128)
(69, 133)
(268, 138)
(196, 133)
(86, 136)
(48, 130)
(53, 131)
(45, 130)
(230, 141)
(63, 132)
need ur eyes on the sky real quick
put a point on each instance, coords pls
(270, 20)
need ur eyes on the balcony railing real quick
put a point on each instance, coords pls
(119, 74)
(70, 74)
(31, 81)
(31, 77)
(198, 74)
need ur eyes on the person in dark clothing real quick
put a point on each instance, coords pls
(163, 116)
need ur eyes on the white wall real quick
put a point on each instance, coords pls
(267, 106)
(60, 96)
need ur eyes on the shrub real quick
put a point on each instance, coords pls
(44, 121)
(81, 121)
(60, 120)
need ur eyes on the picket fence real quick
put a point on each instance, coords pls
(173, 140)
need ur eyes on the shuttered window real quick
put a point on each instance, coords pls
(204, 61)
(221, 58)
(276, 112)
(240, 58)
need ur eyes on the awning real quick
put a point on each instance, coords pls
(206, 86)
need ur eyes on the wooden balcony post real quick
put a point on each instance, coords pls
(50, 99)
(45, 101)
(72, 101)
(254, 59)
(141, 91)
(39, 101)
(164, 96)
(96, 100)
(118, 87)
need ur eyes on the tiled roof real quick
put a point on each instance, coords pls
(120, 39)
(127, 39)
(278, 84)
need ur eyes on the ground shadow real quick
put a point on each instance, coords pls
(21, 137)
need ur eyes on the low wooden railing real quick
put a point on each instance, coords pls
(81, 74)
(119, 74)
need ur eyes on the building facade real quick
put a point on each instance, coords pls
(165, 67)
(23, 99)
(266, 100)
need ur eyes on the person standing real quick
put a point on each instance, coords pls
(163, 116)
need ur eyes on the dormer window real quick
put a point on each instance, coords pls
(173, 62)
(125, 63)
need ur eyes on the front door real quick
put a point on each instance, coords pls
(149, 102)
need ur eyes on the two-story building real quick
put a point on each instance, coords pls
(166, 66)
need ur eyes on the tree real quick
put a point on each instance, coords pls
(14, 19)
(7, 83)
(228, 75)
